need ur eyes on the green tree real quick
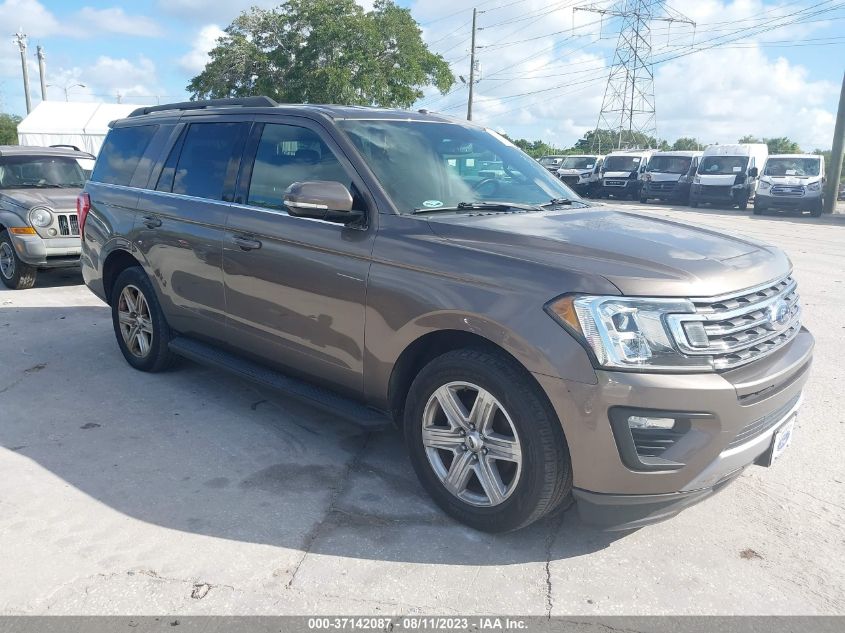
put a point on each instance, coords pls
(782, 145)
(748, 138)
(324, 51)
(686, 143)
(9, 128)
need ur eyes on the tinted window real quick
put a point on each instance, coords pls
(622, 163)
(669, 164)
(204, 160)
(288, 154)
(121, 151)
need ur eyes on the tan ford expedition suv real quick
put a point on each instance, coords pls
(533, 349)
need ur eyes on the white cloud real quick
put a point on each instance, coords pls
(116, 20)
(29, 15)
(206, 39)
(221, 11)
(717, 95)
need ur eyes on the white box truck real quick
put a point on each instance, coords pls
(727, 174)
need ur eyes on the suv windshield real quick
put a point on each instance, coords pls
(622, 163)
(428, 165)
(578, 162)
(801, 167)
(20, 172)
(715, 165)
(669, 164)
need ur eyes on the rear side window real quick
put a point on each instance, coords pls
(204, 161)
(122, 150)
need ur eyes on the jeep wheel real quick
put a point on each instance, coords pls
(484, 441)
(15, 274)
(139, 324)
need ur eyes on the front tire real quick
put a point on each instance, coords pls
(484, 441)
(139, 324)
(16, 274)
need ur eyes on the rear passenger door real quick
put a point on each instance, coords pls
(181, 219)
(295, 287)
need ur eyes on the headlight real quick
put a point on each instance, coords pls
(40, 217)
(763, 185)
(586, 174)
(814, 186)
(627, 333)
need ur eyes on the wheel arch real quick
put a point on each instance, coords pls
(429, 346)
(116, 262)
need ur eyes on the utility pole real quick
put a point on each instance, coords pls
(42, 71)
(471, 67)
(628, 103)
(836, 154)
(20, 38)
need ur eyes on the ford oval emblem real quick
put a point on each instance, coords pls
(779, 314)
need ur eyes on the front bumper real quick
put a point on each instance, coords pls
(741, 410)
(719, 194)
(788, 203)
(56, 252)
(666, 190)
(620, 186)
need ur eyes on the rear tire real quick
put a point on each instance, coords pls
(743, 206)
(139, 323)
(456, 461)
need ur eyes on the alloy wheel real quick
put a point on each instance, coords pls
(471, 444)
(136, 325)
(7, 260)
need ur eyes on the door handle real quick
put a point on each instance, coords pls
(151, 222)
(246, 243)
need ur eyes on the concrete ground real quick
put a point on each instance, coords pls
(194, 492)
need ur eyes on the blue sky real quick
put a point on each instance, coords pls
(543, 66)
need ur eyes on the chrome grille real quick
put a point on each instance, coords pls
(742, 327)
(785, 190)
(68, 224)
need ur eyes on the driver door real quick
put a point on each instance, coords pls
(296, 287)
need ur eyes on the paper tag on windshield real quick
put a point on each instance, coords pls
(737, 169)
(790, 172)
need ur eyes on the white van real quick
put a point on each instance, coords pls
(727, 174)
(581, 172)
(791, 182)
(621, 173)
(668, 176)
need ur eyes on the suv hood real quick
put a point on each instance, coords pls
(639, 255)
(59, 199)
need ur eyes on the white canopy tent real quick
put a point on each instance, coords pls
(84, 125)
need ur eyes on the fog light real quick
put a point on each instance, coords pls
(641, 422)
(52, 232)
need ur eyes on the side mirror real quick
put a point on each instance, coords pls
(753, 172)
(322, 200)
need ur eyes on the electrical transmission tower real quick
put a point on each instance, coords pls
(628, 104)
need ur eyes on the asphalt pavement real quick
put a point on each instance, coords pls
(195, 492)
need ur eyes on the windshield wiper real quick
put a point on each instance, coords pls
(480, 205)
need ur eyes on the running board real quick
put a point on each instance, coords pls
(315, 395)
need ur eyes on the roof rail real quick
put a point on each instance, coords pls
(245, 102)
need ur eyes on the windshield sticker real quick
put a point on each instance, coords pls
(737, 169)
(636, 160)
(790, 172)
(431, 204)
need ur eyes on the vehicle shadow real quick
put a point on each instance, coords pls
(56, 278)
(197, 450)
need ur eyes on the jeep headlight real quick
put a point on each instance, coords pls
(814, 186)
(627, 333)
(41, 217)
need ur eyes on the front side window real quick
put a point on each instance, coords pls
(288, 154)
(203, 163)
(800, 167)
(669, 164)
(40, 172)
(427, 165)
(622, 163)
(722, 165)
(121, 152)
